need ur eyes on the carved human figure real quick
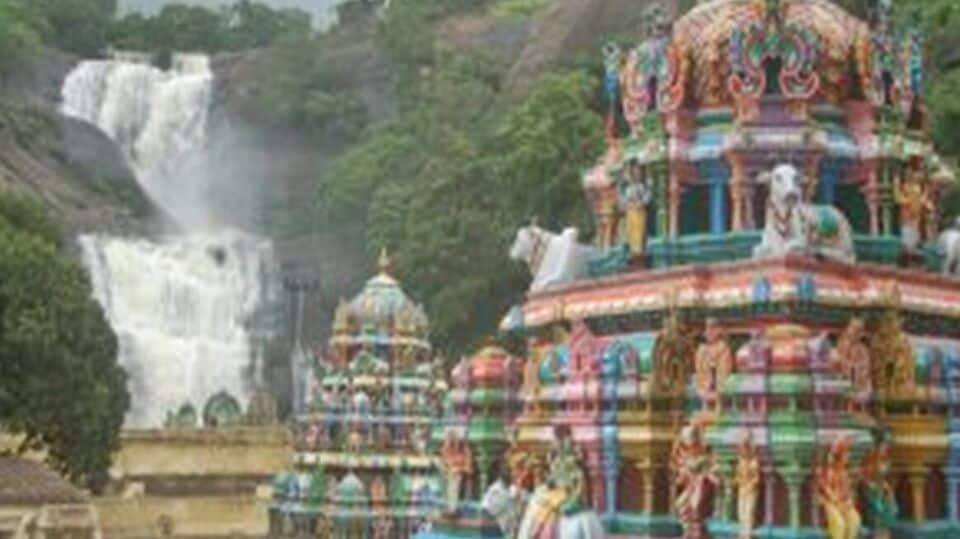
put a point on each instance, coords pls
(378, 493)
(912, 195)
(671, 356)
(523, 464)
(881, 501)
(565, 472)
(505, 501)
(754, 354)
(457, 462)
(694, 474)
(531, 376)
(853, 356)
(635, 194)
(836, 494)
(713, 363)
(383, 528)
(748, 485)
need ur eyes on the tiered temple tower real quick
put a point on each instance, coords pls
(362, 467)
(474, 439)
(763, 324)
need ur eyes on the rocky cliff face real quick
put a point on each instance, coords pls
(68, 165)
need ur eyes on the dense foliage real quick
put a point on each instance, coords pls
(180, 27)
(296, 82)
(447, 180)
(61, 388)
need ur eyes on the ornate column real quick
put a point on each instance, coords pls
(723, 505)
(661, 175)
(596, 477)
(718, 205)
(917, 476)
(649, 483)
(676, 192)
(611, 474)
(953, 490)
(484, 461)
(738, 193)
(793, 476)
(871, 196)
(769, 486)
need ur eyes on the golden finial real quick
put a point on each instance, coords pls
(384, 264)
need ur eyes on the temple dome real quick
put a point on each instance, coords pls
(382, 308)
(818, 37)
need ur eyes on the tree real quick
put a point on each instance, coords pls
(447, 183)
(18, 38)
(77, 26)
(60, 385)
(254, 25)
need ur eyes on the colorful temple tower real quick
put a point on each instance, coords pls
(474, 440)
(363, 468)
(762, 340)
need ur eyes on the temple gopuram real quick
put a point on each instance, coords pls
(362, 466)
(761, 340)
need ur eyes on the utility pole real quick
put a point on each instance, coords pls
(298, 284)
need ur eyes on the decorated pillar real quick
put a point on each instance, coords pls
(648, 480)
(953, 491)
(676, 193)
(718, 205)
(917, 477)
(793, 476)
(871, 195)
(769, 486)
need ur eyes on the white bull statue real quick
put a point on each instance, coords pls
(552, 258)
(794, 226)
(949, 243)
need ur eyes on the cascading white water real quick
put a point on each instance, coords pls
(181, 306)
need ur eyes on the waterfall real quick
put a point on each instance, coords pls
(183, 306)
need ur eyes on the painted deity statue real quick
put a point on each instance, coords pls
(505, 501)
(457, 462)
(671, 354)
(714, 362)
(836, 494)
(524, 465)
(634, 198)
(893, 365)
(853, 356)
(555, 510)
(881, 500)
(694, 474)
(913, 197)
(748, 485)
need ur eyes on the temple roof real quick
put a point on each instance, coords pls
(381, 309)
(23, 482)
(828, 35)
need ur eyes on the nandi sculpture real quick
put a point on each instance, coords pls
(552, 258)
(949, 243)
(794, 226)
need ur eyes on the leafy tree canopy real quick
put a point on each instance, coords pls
(60, 385)
(180, 27)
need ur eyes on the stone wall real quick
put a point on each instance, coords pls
(155, 456)
(208, 483)
(189, 516)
